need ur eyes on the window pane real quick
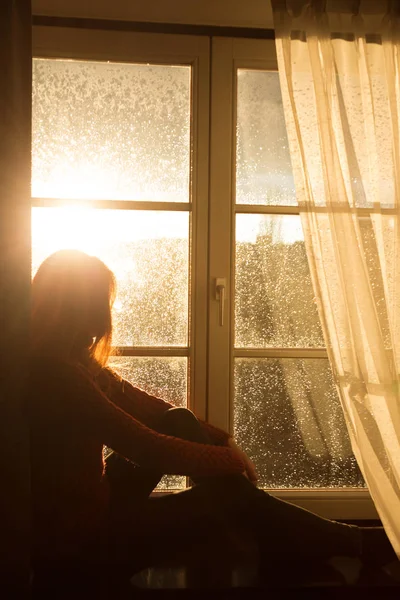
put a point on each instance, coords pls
(147, 251)
(289, 420)
(107, 130)
(274, 303)
(263, 167)
(163, 377)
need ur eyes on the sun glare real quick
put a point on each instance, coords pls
(100, 232)
(89, 182)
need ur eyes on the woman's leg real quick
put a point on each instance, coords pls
(181, 422)
(146, 531)
(278, 525)
(129, 484)
(282, 530)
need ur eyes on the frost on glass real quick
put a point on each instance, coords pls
(288, 418)
(164, 377)
(148, 252)
(263, 167)
(108, 130)
(274, 299)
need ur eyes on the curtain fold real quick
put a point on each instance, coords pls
(339, 65)
(15, 179)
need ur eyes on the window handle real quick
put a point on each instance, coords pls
(220, 285)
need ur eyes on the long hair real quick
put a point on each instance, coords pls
(72, 297)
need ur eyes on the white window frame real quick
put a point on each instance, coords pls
(194, 51)
(228, 55)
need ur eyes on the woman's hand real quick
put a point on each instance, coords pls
(250, 470)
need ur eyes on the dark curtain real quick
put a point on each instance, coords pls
(15, 265)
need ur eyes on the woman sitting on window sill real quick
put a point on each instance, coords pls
(93, 510)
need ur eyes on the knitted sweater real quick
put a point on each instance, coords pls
(72, 415)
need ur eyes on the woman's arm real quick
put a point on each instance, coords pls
(146, 408)
(134, 401)
(73, 398)
(250, 470)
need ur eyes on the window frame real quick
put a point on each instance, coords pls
(55, 42)
(228, 55)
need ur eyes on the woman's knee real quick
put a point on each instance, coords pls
(179, 417)
(181, 422)
(180, 414)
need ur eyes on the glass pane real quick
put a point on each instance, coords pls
(147, 251)
(289, 420)
(163, 377)
(108, 130)
(274, 302)
(263, 167)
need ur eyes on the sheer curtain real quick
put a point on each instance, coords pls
(339, 66)
(15, 183)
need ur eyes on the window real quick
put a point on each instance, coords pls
(116, 149)
(296, 431)
(215, 305)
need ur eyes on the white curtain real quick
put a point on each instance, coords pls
(339, 66)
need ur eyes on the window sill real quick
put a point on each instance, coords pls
(345, 503)
(348, 504)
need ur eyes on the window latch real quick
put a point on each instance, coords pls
(220, 285)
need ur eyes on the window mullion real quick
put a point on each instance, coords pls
(150, 351)
(280, 353)
(220, 263)
(111, 204)
(266, 209)
(197, 379)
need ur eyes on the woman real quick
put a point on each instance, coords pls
(76, 404)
